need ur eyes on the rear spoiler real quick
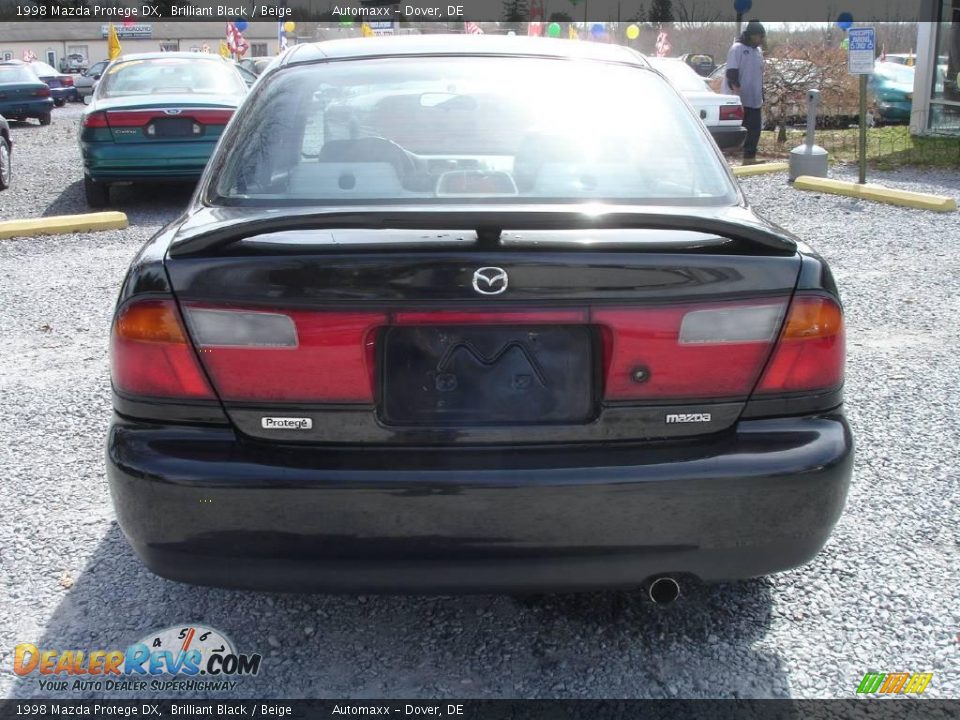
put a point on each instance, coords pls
(736, 228)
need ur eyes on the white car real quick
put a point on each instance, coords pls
(722, 114)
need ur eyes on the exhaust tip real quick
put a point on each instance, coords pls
(664, 590)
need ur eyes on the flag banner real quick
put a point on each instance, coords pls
(472, 28)
(113, 44)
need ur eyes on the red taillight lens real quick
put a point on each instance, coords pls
(66, 81)
(731, 112)
(679, 352)
(95, 120)
(811, 352)
(294, 356)
(42, 92)
(139, 118)
(151, 356)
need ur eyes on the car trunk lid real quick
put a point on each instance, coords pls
(436, 336)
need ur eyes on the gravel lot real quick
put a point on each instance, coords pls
(882, 596)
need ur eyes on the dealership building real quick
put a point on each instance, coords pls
(936, 89)
(52, 41)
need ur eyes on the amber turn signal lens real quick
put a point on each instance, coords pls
(813, 317)
(150, 321)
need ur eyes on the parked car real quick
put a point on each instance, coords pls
(85, 81)
(155, 116)
(61, 84)
(6, 152)
(891, 87)
(722, 114)
(256, 65)
(73, 63)
(249, 77)
(22, 94)
(494, 338)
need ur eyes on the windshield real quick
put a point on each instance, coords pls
(442, 129)
(683, 77)
(170, 75)
(15, 73)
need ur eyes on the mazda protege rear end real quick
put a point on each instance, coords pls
(473, 314)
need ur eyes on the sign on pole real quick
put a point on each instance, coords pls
(861, 50)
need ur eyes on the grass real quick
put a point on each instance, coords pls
(887, 147)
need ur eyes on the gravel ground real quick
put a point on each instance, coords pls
(882, 596)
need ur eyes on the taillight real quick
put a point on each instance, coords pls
(731, 112)
(66, 81)
(95, 120)
(681, 352)
(42, 92)
(294, 356)
(151, 355)
(810, 353)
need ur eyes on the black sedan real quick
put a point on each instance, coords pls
(434, 322)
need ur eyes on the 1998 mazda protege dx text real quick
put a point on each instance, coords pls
(461, 314)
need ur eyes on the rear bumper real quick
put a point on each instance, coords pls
(30, 108)
(200, 506)
(728, 137)
(128, 162)
(64, 93)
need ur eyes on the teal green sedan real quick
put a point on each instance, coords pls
(892, 87)
(156, 117)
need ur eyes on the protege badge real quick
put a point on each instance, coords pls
(286, 423)
(688, 417)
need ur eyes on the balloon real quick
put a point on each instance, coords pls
(129, 22)
(742, 6)
(289, 26)
(845, 21)
(241, 25)
(346, 22)
(633, 32)
(596, 29)
(553, 29)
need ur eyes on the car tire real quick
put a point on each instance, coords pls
(59, 102)
(6, 164)
(45, 119)
(97, 193)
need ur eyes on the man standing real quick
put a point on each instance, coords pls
(744, 77)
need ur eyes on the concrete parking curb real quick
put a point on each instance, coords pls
(906, 198)
(761, 169)
(60, 224)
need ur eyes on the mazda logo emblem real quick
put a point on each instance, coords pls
(172, 111)
(490, 280)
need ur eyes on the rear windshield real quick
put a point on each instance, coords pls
(170, 75)
(683, 77)
(16, 74)
(442, 129)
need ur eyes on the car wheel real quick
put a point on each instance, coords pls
(6, 166)
(44, 119)
(59, 102)
(97, 194)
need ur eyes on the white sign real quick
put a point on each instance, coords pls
(861, 50)
(381, 27)
(137, 30)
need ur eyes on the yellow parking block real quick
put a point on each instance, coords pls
(906, 198)
(760, 169)
(60, 224)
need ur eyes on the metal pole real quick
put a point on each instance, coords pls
(739, 22)
(863, 129)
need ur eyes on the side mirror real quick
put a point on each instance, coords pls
(87, 99)
(97, 76)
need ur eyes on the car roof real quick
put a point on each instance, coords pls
(419, 45)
